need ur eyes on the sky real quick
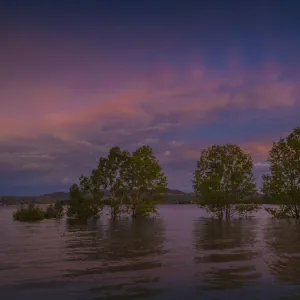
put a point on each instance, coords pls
(78, 77)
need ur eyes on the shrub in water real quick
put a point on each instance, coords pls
(29, 213)
(55, 210)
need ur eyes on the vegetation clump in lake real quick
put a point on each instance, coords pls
(33, 212)
(143, 182)
(283, 182)
(85, 200)
(223, 179)
(107, 175)
(29, 213)
(55, 210)
(133, 181)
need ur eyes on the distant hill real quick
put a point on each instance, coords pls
(174, 192)
(171, 196)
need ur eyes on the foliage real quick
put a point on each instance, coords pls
(143, 182)
(107, 176)
(283, 182)
(282, 212)
(55, 210)
(29, 213)
(245, 210)
(85, 200)
(223, 179)
(133, 182)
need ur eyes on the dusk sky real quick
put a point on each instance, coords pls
(78, 77)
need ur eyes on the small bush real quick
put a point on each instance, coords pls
(29, 213)
(55, 210)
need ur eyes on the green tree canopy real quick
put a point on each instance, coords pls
(222, 179)
(55, 210)
(143, 181)
(283, 182)
(86, 200)
(107, 176)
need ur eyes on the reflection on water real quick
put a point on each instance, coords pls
(225, 254)
(117, 257)
(283, 241)
(178, 255)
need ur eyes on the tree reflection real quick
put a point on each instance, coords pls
(127, 239)
(124, 254)
(225, 253)
(283, 241)
(83, 239)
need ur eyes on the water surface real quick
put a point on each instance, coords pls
(182, 254)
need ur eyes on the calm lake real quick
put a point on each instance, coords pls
(182, 254)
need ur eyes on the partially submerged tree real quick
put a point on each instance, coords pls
(133, 183)
(55, 210)
(283, 182)
(143, 182)
(86, 200)
(222, 180)
(107, 177)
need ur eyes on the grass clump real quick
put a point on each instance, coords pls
(29, 213)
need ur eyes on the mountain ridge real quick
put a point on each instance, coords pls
(172, 196)
(47, 198)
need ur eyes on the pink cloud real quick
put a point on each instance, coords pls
(258, 149)
(32, 110)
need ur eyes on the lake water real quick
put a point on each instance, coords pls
(182, 254)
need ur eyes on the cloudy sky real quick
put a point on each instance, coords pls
(77, 77)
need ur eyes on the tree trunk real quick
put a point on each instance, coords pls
(227, 211)
(297, 215)
(296, 211)
(221, 214)
(113, 214)
(133, 213)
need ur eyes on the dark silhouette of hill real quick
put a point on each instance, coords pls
(171, 196)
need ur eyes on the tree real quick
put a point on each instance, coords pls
(107, 176)
(55, 210)
(283, 182)
(222, 180)
(143, 181)
(85, 200)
